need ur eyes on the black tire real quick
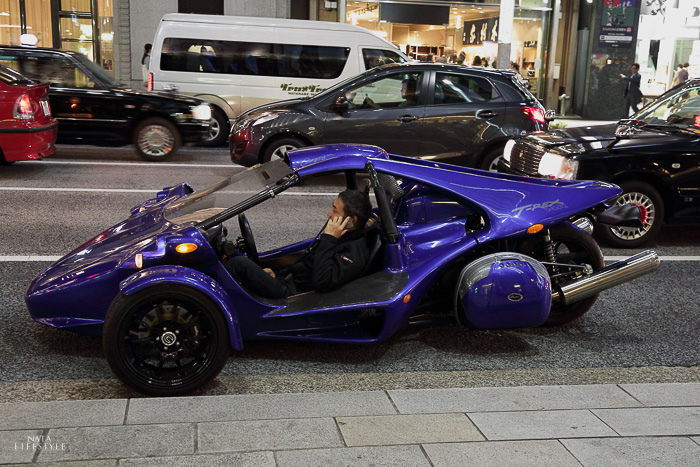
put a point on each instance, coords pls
(219, 129)
(156, 139)
(490, 160)
(3, 161)
(135, 333)
(573, 246)
(652, 204)
(279, 147)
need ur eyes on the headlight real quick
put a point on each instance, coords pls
(265, 118)
(508, 149)
(201, 112)
(558, 167)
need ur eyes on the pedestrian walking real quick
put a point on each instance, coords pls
(146, 63)
(633, 95)
(683, 73)
(676, 76)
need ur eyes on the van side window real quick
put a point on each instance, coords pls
(253, 58)
(378, 57)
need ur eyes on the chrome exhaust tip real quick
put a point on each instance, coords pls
(608, 277)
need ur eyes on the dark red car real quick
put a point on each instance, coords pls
(27, 129)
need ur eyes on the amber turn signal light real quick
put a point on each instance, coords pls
(533, 229)
(138, 260)
(185, 247)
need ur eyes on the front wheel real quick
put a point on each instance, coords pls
(650, 203)
(491, 159)
(165, 340)
(571, 246)
(218, 129)
(156, 138)
(278, 148)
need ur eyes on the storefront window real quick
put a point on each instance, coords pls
(86, 26)
(37, 21)
(667, 38)
(460, 32)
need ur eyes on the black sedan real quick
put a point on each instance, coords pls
(92, 107)
(654, 156)
(441, 112)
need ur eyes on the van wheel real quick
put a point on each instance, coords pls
(218, 129)
(165, 340)
(278, 149)
(156, 138)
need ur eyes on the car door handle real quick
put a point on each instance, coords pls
(407, 118)
(486, 114)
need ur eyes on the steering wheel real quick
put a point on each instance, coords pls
(248, 240)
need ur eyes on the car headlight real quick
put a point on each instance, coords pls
(201, 112)
(266, 117)
(555, 166)
(508, 149)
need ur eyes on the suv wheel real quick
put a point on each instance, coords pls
(218, 129)
(156, 138)
(490, 160)
(652, 205)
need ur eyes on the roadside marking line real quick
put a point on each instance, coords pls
(137, 164)
(128, 190)
(25, 258)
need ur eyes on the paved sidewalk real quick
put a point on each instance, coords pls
(590, 425)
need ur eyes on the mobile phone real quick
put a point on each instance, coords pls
(351, 223)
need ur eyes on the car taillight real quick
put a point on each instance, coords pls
(23, 108)
(150, 82)
(533, 113)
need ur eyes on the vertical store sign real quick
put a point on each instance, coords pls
(479, 31)
(617, 23)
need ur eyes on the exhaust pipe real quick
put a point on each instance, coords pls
(608, 277)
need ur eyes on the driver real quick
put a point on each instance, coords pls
(339, 256)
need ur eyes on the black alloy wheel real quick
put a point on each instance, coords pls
(571, 246)
(165, 340)
(491, 159)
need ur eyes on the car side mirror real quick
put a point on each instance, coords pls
(549, 115)
(341, 104)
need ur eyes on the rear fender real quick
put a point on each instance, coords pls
(160, 275)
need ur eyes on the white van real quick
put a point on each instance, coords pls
(237, 63)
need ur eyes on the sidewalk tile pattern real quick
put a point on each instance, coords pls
(13, 445)
(665, 395)
(268, 434)
(547, 453)
(510, 399)
(550, 424)
(237, 459)
(386, 456)
(652, 421)
(407, 429)
(258, 407)
(61, 414)
(640, 452)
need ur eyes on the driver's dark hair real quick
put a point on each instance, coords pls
(636, 65)
(356, 204)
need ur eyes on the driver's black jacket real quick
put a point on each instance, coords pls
(332, 262)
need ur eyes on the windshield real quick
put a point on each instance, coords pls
(342, 84)
(11, 77)
(230, 192)
(679, 109)
(101, 74)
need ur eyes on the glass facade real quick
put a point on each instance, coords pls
(469, 31)
(84, 26)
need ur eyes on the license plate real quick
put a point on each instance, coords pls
(45, 107)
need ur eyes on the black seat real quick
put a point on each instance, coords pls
(375, 244)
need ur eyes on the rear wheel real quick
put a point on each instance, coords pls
(651, 204)
(218, 129)
(166, 340)
(156, 138)
(571, 246)
(278, 148)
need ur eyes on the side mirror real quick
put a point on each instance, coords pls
(549, 115)
(341, 104)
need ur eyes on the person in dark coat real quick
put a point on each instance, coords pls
(338, 257)
(633, 95)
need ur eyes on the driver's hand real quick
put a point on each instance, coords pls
(270, 272)
(336, 226)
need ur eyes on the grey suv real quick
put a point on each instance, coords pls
(443, 112)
